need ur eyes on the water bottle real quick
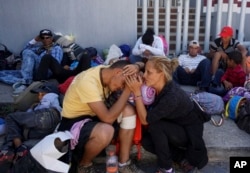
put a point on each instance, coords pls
(74, 64)
(111, 163)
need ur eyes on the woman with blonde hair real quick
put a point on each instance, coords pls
(175, 123)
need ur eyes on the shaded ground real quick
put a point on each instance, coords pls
(5, 109)
(149, 166)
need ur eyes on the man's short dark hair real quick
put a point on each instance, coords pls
(148, 37)
(236, 56)
(119, 64)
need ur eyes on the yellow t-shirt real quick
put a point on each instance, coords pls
(85, 88)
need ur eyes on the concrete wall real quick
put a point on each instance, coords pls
(97, 23)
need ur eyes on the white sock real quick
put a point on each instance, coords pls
(165, 170)
(169, 170)
(85, 166)
(124, 164)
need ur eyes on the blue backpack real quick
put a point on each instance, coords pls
(233, 105)
(126, 50)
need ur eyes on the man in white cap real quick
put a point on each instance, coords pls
(194, 69)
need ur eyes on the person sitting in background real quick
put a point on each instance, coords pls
(38, 121)
(148, 44)
(41, 46)
(62, 71)
(175, 126)
(234, 75)
(193, 69)
(223, 45)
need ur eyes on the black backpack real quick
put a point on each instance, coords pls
(243, 118)
(8, 60)
(28, 164)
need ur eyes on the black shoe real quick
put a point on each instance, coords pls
(213, 84)
(21, 151)
(201, 89)
(187, 167)
(6, 156)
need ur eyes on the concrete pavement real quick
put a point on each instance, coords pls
(222, 142)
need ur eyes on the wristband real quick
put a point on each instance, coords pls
(137, 97)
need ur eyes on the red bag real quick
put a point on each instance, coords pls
(64, 86)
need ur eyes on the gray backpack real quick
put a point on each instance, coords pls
(212, 104)
(26, 98)
(73, 50)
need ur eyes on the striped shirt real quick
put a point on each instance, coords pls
(217, 45)
(186, 61)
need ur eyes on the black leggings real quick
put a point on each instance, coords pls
(172, 142)
(49, 63)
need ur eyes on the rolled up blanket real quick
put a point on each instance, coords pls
(148, 94)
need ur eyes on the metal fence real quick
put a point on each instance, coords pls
(162, 3)
(182, 7)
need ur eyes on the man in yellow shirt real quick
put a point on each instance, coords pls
(85, 101)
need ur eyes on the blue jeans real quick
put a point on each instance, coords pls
(133, 59)
(217, 77)
(217, 87)
(201, 76)
(10, 76)
(25, 75)
(31, 125)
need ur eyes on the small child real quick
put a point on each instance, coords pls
(37, 122)
(235, 75)
(48, 97)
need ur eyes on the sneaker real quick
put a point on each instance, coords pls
(130, 168)
(89, 169)
(18, 90)
(16, 85)
(187, 167)
(162, 170)
(18, 59)
(6, 156)
(21, 151)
